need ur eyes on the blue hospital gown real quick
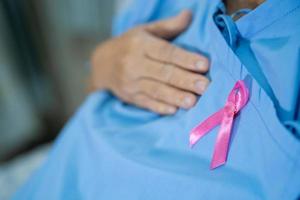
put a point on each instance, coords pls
(111, 150)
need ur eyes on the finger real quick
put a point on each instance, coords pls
(147, 102)
(175, 76)
(161, 50)
(170, 28)
(167, 94)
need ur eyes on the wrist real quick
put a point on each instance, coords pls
(98, 71)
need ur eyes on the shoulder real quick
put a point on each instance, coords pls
(138, 12)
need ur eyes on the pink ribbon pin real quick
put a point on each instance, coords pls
(236, 100)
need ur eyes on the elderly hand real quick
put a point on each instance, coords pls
(141, 67)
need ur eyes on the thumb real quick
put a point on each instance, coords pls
(170, 28)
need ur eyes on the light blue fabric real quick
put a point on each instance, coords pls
(110, 150)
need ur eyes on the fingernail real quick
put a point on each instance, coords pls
(200, 64)
(200, 86)
(170, 110)
(187, 102)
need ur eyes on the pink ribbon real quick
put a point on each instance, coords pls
(236, 100)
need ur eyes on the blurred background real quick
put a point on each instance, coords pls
(44, 54)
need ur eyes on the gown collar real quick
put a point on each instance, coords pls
(256, 21)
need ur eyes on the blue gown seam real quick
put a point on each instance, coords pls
(265, 27)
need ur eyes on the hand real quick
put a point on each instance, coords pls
(141, 67)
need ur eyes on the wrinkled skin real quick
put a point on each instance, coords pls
(141, 67)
